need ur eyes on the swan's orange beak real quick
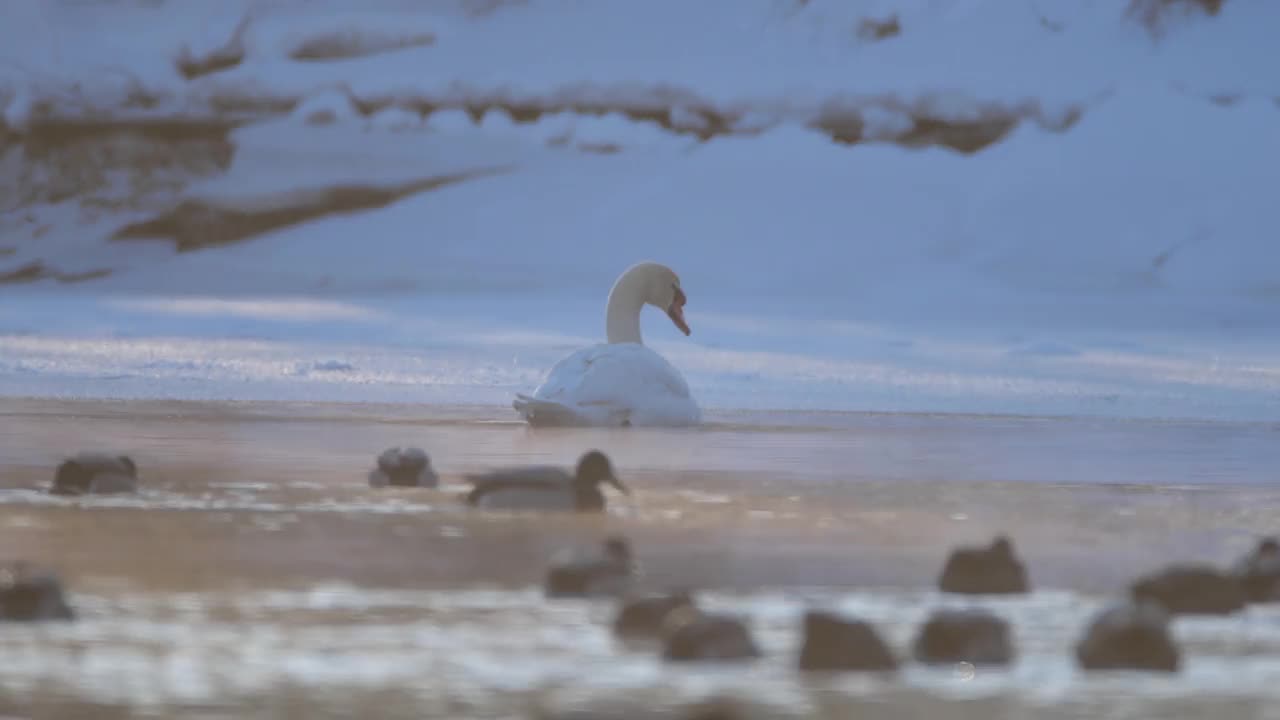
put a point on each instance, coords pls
(675, 311)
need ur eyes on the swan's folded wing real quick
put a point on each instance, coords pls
(547, 412)
(612, 385)
(620, 373)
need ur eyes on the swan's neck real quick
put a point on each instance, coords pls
(622, 318)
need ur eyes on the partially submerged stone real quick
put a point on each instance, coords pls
(409, 467)
(832, 643)
(95, 473)
(1129, 637)
(973, 636)
(706, 637)
(645, 617)
(28, 594)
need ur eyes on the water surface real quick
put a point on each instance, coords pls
(258, 576)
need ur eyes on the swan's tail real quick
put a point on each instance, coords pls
(545, 412)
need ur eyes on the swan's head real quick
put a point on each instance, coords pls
(663, 291)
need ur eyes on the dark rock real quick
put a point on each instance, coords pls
(403, 468)
(833, 643)
(604, 572)
(1129, 636)
(27, 594)
(1191, 590)
(644, 617)
(708, 637)
(973, 636)
(984, 570)
(95, 473)
(1259, 572)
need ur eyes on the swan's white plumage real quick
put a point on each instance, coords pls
(621, 382)
(612, 384)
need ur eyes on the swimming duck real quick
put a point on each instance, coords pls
(602, 571)
(403, 468)
(546, 488)
(93, 473)
(992, 570)
(1191, 589)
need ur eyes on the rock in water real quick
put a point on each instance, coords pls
(606, 571)
(645, 617)
(1259, 572)
(1129, 637)
(95, 473)
(972, 636)
(992, 570)
(403, 468)
(27, 595)
(833, 643)
(1191, 590)
(707, 637)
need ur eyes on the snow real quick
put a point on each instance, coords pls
(1115, 256)
(324, 108)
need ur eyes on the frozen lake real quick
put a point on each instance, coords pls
(953, 268)
(257, 574)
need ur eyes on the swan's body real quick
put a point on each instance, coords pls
(621, 382)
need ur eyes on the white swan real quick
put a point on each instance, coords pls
(621, 382)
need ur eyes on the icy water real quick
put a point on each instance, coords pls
(258, 576)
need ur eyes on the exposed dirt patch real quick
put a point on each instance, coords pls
(119, 165)
(1154, 15)
(196, 224)
(843, 124)
(223, 57)
(37, 270)
(872, 29)
(353, 44)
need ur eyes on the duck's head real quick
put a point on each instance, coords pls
(594, 468)
(1002, 546)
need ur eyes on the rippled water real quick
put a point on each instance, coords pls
(257, 576)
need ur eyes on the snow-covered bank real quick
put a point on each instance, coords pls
(1121, 260)
(736, 63)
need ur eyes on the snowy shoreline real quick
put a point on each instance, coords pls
(1116, 256)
